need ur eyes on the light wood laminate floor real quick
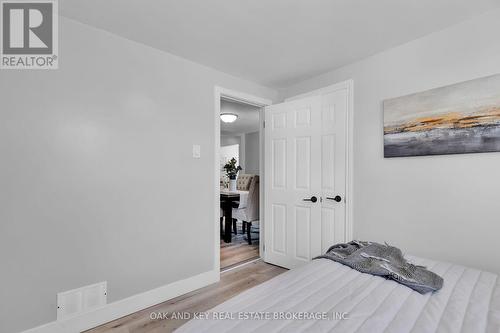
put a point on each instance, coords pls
(231, 284)
(238, 251)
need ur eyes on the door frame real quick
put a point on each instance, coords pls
(237, 96)
(349, 197)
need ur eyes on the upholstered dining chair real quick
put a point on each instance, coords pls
(249, 213)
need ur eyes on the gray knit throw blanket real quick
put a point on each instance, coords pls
(386, 261)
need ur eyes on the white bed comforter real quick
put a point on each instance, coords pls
(468, 302)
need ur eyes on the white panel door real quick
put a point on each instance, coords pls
(304, 174)
(333, 168)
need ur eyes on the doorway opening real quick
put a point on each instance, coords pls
(239, 183)
(240, 177)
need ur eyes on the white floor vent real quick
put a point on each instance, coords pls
(77, 301)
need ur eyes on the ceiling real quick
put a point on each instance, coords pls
(248, 118)
(273, 42)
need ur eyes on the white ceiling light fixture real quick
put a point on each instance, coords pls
(228, 117)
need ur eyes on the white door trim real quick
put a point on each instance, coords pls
(349, 85)
(236, 96)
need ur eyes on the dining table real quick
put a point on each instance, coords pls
(228, 201)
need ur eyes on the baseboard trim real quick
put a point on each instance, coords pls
(128, 305)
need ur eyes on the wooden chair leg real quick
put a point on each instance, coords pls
(249, 229)
(234, 226)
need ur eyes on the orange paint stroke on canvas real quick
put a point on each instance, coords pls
(488, 117)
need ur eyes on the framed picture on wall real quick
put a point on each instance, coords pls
(456, 119)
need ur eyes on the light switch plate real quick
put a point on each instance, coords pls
(196, 151)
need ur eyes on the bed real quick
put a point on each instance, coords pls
(355, 302)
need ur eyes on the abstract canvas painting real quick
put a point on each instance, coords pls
(457, 119)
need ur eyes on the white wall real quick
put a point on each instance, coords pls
(252, 151)
(229, 140)
(248, 150)
(228, 152)
(95, 170)
(444, 207)
(235, 139)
